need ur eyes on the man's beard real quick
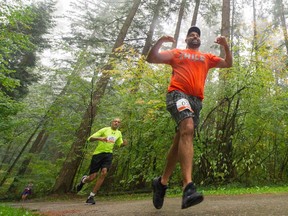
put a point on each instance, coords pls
(193, 43)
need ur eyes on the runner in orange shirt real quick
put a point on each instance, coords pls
(184, 102)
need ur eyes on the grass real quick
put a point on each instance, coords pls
(223, 190)
(9, 211)
(177, 192)
(248, 190)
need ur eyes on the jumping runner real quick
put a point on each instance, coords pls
(184, 102)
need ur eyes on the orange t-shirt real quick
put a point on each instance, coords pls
(190, 69)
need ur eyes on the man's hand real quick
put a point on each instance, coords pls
(166, 38)
(154, 56)
(125, 143)
(227, 62)
(221, 40)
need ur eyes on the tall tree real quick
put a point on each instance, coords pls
(179, 21)
(226, 125)
(42, 136)
(225, 25)
(255, 33)
(195, 12)
(148, 41)
(64, 182)
(40, 21)
(280, 7)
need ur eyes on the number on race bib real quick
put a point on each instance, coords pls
(183, 104)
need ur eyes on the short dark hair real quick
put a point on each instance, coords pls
(194, 29)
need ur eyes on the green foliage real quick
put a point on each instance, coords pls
(9, 211)
(21, 36)
(145, 120)
(234, 189)
(245, 102)
(18, 43)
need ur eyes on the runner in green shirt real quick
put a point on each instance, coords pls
(102, 157)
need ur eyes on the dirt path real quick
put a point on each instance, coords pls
(248, 205)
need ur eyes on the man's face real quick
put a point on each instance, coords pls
(193, 40)
(115, 123)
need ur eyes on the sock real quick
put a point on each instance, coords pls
(83, 180)
(92, 194)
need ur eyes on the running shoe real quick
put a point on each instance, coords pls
(191, 196)
(90, 200)
(159, 191)
(80, 185)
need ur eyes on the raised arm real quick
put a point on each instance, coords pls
(227, 62)
(93, 139)
(154, 56)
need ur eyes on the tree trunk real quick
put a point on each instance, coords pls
(43, 135)
(225, 26)
(283, 23)
(148, 42)
(226, 125)
(6, 156)
(179, 21)
(64, 182)
(18, 156)
(36, 148)
(147, 45)
(195, 13)
(255, 34)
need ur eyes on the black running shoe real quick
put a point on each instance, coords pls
(159, 191)
(191, 196)
(80, 185)
(90, 200)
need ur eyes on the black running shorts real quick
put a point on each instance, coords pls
(100, 161)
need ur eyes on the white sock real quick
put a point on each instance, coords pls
(83, 180)
(92, 194)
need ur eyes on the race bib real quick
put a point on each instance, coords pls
(111, 139)
(183, 104)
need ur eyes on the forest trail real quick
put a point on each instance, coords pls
(224, 205)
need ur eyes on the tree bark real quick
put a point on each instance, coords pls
(255, 33)
(283, 23)
(195, 13)
(225, 26)
(179, 21)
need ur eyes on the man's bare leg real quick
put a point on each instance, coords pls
(185, 149)
(100, 180)
(172, 159)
